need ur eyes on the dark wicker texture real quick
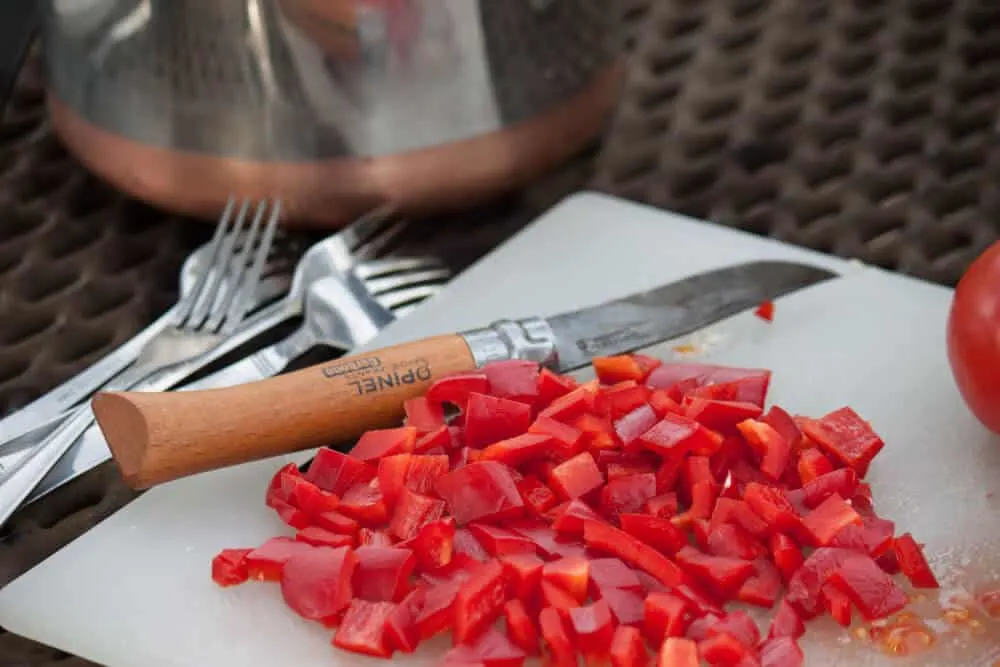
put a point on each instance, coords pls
(864, 128)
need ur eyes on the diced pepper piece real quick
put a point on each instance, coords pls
(725, 575)
(401, 624)
(678, 652)
(524, 572)
(765, 311)
(717, 382)
(617, 470)
(392, 476)
(837, 603)
(383, 573)
(663, 506)
(266, 561)
(728, 539)
(873, 536)
(368, 537)
(466, 543)
(675, 435)
(335, 522)
(829, 518)
(843, 482)
(375, 444)
(783, 423)
(786, 555)
(520, 627)
(517, 450)
(739, 624)
(424, 472)
(499, 541)
(310, 498)
(617, 401)
(661, 534)
(812, 464)
(763, 587)
(363, 629)
(489, 419)
(292, 516)
(438, 611)
(571, 405)
(627, 494)
(365, 504)
(631, 426)
(276, 488)
(551, 386)
(559, 649)
(557, 597)
(439, 439)
(598, 432)
(628, 648)
(786, 622)
(537, 497)
(772, 505)
(455, 389)
(724, 649)
(667, 474)
(612, 573)
(549, 544)
(604, 537)
(620, 368)
(738, 512)
(490, 649)
(576, 477)
(626, 605)
(765, 440)
(804, 586)
(479, 601)
(662, 403)
(423, 414)
(781, 652)
(845, 436)
(570, 516)
(593, 626)
(318, 537)
(570, 574)
(566, 439)
(665, 615)
(316, 583)
(515, 379)
(480, 491)
(719, 415)
(229, 567)
(912, 562)
(413, 512)
(434, 544)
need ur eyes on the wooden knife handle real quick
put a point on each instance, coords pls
(157, 437)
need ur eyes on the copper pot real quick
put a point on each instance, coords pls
(335, 105)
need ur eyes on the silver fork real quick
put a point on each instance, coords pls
(41, 415)
(211, 313)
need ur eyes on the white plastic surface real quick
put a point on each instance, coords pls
(135, 591)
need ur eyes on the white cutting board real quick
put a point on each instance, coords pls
(135, 591)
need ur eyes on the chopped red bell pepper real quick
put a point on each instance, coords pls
(365, 504)
(424, 472)
(521, 627)
(786, 555)
(383, 573)
(843, 482)
(434, 544)
(717, 382)
(557, 597)
(611, 573)
(627, 494)
(872, 591)
(724, 649)
(786, 622)
(594, 627)
(845, 436)
(466, 543)
(439, 440)
(598, 432)
(479, 601)
(722, 574)
(781, 652)
(665, 615)
(423, 414)
(392, 476)
(631, 426)
(719, 415)
(765, 311)
(373, 445)
(828, 519)
(455, 389)
(738, 512)
(729, 539)
(628, 648)
(310, 498)
(558, 647)
(662, 403)
(626, 605)
(401, 625)
(678, 652)
(837, 603)
(438, 611)
(316, 582)
(912, 562)
(773, 449)
(266, 562)
(524, 572)
(280, 482)
(570, 574)
(763, 587)
(335, 522)
(812, 464)
(604, 537)
(661, 534)
(413, 512)
(368, 537)
(566, 438)
(514, 379)
(772, 505)
(517, 450)
(363, 628)
(621, 368)
(336, 472)
(576, 477)
(480, 491)
(804, 586)
(292, 516)
(549, 544)
(229, 567)
(489, 419)
(537, 497)
(571, 405)
(873, 536)
(318, 537)
(498, 541)
(490, 649)
(619, 469)
(551, 386)
(675, 435)
(663, 506)
(617, 401)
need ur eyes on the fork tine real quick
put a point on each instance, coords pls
(369, 225)
(187, 303)
(377, 245)
(209, 293)
(386, 266)
(407, 296)
(241, 304)
(379, 286)
(228, 292)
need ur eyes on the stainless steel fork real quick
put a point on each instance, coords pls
(212, 312)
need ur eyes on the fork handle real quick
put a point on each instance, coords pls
(158, 437)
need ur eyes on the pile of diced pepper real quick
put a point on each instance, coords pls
(529, 514)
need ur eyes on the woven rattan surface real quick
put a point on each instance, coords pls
(865, 128)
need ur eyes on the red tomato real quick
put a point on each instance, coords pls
(974, 337)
